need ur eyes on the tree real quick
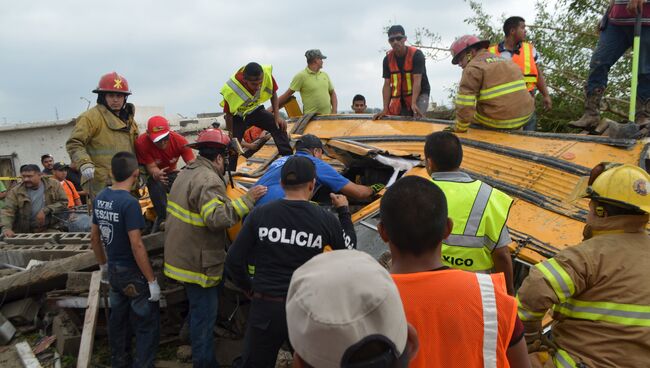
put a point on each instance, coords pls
(565, 34)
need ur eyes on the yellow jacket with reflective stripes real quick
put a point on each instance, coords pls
(599, 292)
(240, 101)
(97, 136)
(492, 92)
(198, 215)
(479, 213)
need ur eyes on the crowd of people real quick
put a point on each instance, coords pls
(447, 298)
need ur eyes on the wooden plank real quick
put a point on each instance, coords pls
(27, 355)
(53, 274)
(90, 322)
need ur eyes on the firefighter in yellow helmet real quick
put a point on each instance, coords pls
(103, 131)
(598, 289)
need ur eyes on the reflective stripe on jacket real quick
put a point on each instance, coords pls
(479, 213)
(462, 319)
(525, 59)
(199, 213)
(401, 81)
(240, 101)
(97, 136)
(492, 92)
(600, 304)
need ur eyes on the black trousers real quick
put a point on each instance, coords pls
(262, 119)
(265, 333)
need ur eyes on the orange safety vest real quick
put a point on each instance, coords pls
(525, 59)
(463, 319)
(401, 81)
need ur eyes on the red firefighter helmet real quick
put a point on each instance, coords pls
(113, 82)
(463, 43)
(211, 138)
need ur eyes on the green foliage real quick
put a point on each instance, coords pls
(565, 33)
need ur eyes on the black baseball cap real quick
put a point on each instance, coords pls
(297, 170)
(60, 166)
(308, 141)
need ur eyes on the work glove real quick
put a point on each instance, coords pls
(104, 269)
(88, 172)
(377, 187)
(154, 290)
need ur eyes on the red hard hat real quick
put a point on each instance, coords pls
(113, 82)
(211, 138)
(463, 43)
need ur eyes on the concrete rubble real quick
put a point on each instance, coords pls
(45, 284)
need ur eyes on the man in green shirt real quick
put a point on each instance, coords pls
(315, 87)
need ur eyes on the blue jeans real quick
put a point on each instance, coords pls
(203, 315)
(132, 312)
(613, 43)
(76, 222)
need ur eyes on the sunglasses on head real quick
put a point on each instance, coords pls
(395, 38)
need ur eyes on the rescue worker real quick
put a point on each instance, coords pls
(598, 289)
(615, 38)
(315, 86)
(524, 54)
(31, 205)
(244, 95)
(103, 131)
(463, 319)
(492, 91)
(195, 235)
(406, 86)
(311, 147)
(479, 239)
(281, 236)
(159, 151)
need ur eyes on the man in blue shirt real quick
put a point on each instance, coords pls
(117, 243)
(311, 147)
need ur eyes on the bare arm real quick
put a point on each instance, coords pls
(279, 122)
(285, 97)
(357, 191)
(334, 101)
(541, 86)
(3, 194)
(503, 263)
(228, 118)
(417, 85)
(140, 254)
(518, 355)
(385, 93)
(96, 243)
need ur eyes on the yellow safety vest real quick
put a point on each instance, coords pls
(479, 213)
(240, 101)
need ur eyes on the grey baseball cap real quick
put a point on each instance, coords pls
(314, 54)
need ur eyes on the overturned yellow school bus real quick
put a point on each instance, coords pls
(539, 170)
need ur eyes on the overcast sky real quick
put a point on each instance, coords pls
(178, 54)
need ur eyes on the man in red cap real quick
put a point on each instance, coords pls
(159, 150)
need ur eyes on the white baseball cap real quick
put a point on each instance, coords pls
(339, 300)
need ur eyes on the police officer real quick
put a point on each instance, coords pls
(479, 239)
(281, 236)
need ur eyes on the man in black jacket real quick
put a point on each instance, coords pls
(281, 236)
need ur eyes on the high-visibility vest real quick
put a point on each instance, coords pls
(479, 213)
(463, 319)
(525, 59)
(240, 101)
(401, 81)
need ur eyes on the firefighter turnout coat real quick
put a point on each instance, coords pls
(198, 215)
(493, 93)
(599, 293)
(97, 136)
